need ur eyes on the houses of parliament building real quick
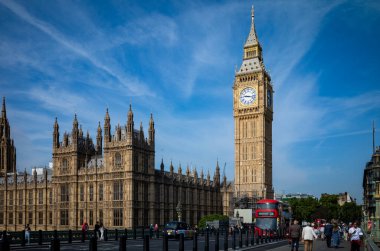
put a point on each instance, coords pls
(113, 180)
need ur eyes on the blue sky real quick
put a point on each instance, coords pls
(176, 59)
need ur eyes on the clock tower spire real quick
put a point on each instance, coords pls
(253, 116)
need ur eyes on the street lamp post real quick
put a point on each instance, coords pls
(179, 211)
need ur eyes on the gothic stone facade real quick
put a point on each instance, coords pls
(113, 181)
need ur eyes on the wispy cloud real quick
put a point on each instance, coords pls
(132, 83)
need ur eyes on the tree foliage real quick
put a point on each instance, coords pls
(211, 217)
(327, 207)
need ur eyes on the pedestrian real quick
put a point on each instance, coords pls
(151, 231)
(295, 234)
(96, 230)
(308, 236)
(101, 229)
(84, 230)
(328, 233)
(335, 237)
(156, 230)
(27, 233)
(355, 235)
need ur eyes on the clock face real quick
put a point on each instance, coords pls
(269, 98)
(248, 96)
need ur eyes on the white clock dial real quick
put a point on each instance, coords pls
(248, 96)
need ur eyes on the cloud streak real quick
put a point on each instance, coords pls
(132, 83)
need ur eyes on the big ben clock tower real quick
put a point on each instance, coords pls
(253, 116)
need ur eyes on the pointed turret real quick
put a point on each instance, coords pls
(187, 171)
(107, 128)
(130, 125)
(56, 134)
(162, 167)
(180, 170)
(217, 174)
(208, 178)
(99, 140)
(75, 131)
(195, 176)
(80, 132)
(141, 132)
(171, 168)
(3, 110)
(151, 131)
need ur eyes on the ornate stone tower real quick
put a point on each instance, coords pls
(7, 148)
(253, 116)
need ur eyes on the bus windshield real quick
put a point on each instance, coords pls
(266, 223)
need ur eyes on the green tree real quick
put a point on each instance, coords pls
(303, 209)
(211, 217)
(350, 212)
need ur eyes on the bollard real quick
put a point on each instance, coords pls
(217, 240)
(93, 244)
(134, 233)
(146, 243)
(116, 234)
(165, 243)
(4, 243)
(252, 238)
(246, 237)
(126, 234)
(39, 237)
(257, 238)
(207, 241)
(181, 242)
(195, 241)
(55, 244)
(123, 243)
(225, 246)
(105, 234)
(143, 233)
(240, 238)
(23, 238)
(70, 236)
(233, 239)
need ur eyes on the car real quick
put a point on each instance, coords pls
(173, 229)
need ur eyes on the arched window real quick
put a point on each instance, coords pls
(65, 163)
(117, 160)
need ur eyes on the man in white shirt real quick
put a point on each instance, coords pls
(308, 236)
(355, 234)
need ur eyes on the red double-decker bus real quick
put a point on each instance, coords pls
(272, 216)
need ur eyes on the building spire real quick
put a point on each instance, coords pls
(3, 110)
(252, 38)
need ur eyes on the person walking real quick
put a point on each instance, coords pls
(27, 233)
(295, 234)
(97, 230)
(308, 236)
(335, 237)
(101, 229)
(328, 233)
(355, 234)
